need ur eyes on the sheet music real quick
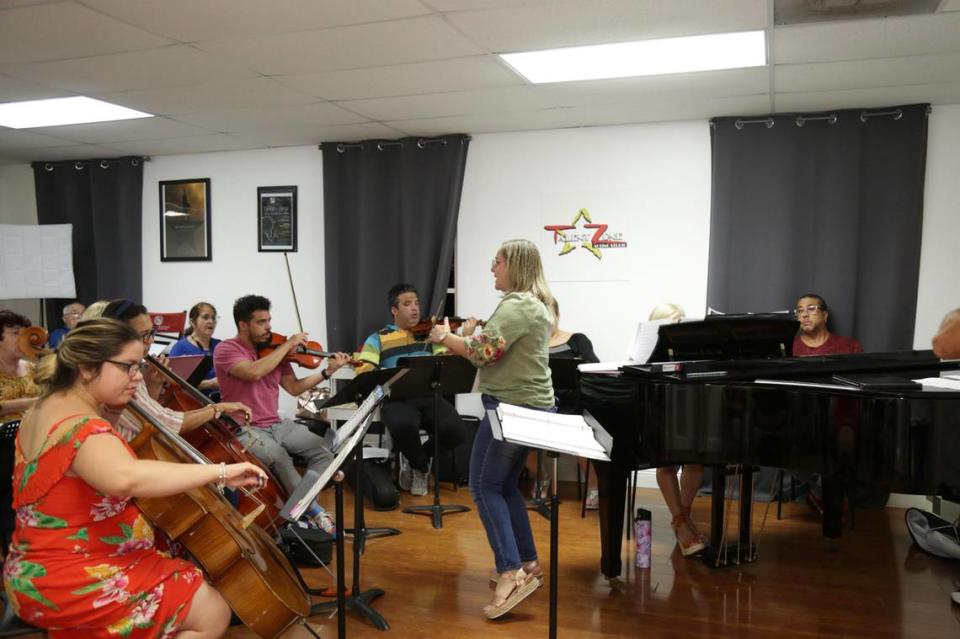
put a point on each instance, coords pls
(562, 433)
(644, 340)
(948, 382)
(349, 426)
(603, 367)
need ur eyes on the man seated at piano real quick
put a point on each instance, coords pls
(403, 419)
(814, 338)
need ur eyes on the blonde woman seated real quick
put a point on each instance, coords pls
(679, 494)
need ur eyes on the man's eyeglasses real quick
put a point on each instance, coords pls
(811, 309)
(130, 368)
(73, 314)
(147, 336)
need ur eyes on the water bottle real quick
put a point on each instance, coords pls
(642, 532)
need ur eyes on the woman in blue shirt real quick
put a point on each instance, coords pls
(199, 340)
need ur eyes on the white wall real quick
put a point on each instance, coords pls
(237, 268)
(18, 205)
(939, 289)
(649, 182)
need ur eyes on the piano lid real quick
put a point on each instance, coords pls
(727, 337)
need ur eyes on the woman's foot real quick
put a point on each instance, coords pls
(687, 539)
(512, 588)
(693, 526)
(532, 568)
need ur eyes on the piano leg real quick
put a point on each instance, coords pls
(833, 490)
(720, 554)
(612, 487)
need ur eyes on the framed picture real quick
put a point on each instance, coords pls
(185, 220)
(277, 218)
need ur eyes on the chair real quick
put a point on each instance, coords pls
(169, 327)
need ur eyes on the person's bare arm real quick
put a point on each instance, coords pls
(946, 343)
(104, 463)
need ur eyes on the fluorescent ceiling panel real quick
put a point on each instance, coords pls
(647, 57)
(61, 111)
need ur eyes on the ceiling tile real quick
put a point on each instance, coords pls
(16, 140)
(865, 39)
(368, 45)
(459, 74)
(669, 110)
(576, 22)
(679, 87)
(190, 21)
(318, 134)
(123, 131)
(887, 72)
(472, 5)
(242, 120)
(436, 105)
(72, 152)
(177, 65)
(950, 5)
(259, 92)
(487, 122)
(15, 90)
(869, 98)
(65, 30)
(196, 144)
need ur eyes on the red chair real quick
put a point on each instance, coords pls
(169, 327)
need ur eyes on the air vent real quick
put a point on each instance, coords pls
(804, 11)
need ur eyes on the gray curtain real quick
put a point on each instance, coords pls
(103, 200)
(830, 203)
(390, 215)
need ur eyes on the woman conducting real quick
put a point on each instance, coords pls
(511, 352)
(84, 562)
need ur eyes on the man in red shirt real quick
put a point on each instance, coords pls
(814, 338)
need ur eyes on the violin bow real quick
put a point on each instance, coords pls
(293, 291)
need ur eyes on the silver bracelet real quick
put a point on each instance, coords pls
(222, 479)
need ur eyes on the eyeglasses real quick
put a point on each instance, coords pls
(130, 368)
(147, 336)
(215, 318)
(495, 262)
(811, 309)
(72, 314)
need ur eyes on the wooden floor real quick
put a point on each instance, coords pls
(871, 583)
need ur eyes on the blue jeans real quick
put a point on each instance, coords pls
(495, 468)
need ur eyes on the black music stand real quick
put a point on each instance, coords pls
(434, 376)
(356, 391)
(350, 446)
(606, 442)
(563, 376)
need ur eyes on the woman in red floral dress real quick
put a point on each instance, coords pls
(83, 561)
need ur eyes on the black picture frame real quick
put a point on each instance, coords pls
(185, 232)
(277, 219)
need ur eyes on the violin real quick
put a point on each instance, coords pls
(421, 330)
(32, 342)
(308, 355)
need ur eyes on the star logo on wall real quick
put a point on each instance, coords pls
(566, 233)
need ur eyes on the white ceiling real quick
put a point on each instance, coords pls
(242, 74)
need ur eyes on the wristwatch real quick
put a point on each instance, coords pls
(324, 374)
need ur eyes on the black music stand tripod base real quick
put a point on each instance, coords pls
(428, 373)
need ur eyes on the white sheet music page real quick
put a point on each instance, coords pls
(551, 431)
(645, 340)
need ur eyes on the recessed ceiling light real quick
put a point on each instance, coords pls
(60, 111)
(646, 57)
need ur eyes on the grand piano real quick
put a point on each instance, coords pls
(727, 393)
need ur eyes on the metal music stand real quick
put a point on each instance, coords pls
(356, 391)
(606, 442)
(350, 446)
(434, 376)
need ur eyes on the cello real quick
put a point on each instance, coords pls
(240, 560)
(216, 441)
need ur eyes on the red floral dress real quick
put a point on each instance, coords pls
(83, 564)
